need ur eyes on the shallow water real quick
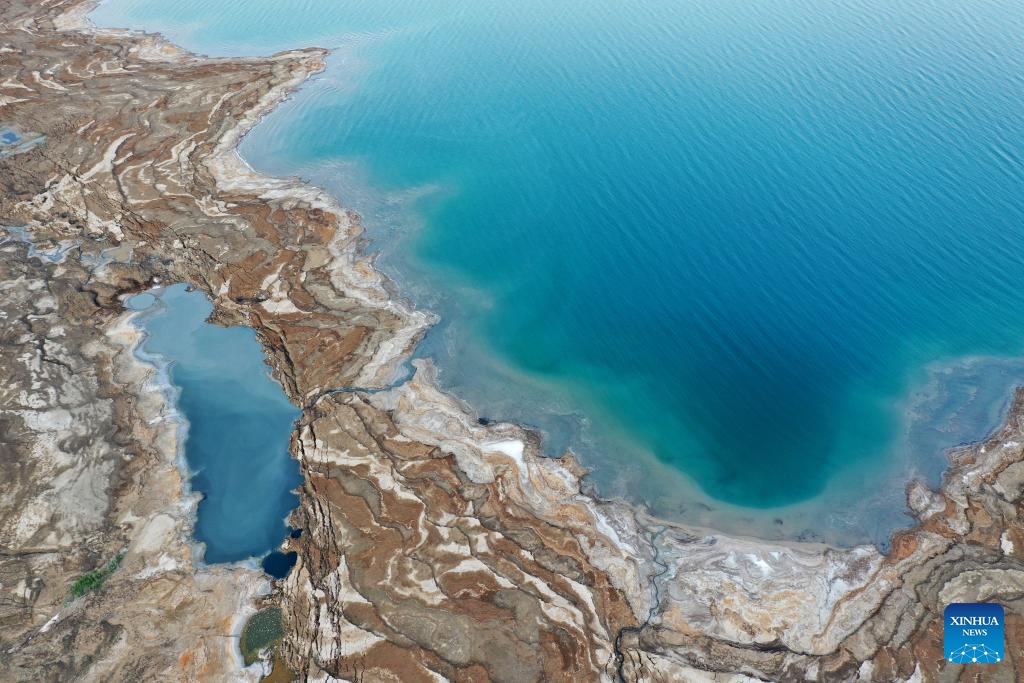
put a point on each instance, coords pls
(723, 249)
(238, 424)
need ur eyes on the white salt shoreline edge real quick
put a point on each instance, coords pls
(796, 589)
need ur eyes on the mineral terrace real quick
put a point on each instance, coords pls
(434, 547)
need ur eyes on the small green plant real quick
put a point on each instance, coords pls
(94, 579)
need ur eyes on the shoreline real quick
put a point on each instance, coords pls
(233, 171)
(630, 594)
(159, 381)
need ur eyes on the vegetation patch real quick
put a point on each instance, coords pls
(263, 630)
(94, 579)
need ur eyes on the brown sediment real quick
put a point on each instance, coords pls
(434, 547)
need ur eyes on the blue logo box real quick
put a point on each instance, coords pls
(973, 633)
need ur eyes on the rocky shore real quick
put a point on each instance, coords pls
(433, 547)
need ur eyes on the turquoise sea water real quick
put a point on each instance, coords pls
(239, 424)
(758, 262)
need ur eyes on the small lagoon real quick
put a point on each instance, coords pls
(238, 423)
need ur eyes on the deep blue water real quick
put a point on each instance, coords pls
(726, 250)
(279, 564)
(239, 424)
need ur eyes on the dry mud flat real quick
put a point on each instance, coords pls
(434, 548)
